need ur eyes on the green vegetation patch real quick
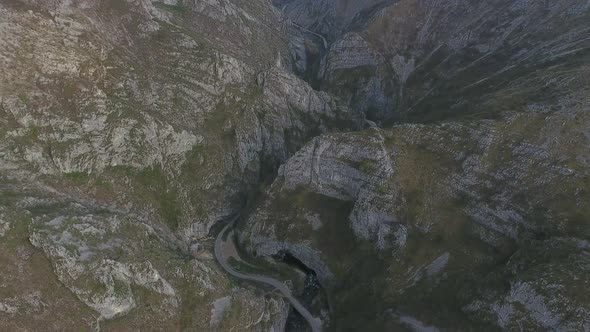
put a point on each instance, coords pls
(368, 166)
(152, 186)
(164, 194)
(24, 99)
(77, 177)
(179, 8)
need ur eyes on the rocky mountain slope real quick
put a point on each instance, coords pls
(329, 17)
(432, 60)
(459, 225)
(129, 129)
(476, 221)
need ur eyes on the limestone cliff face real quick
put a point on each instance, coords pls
(329, 17)
(485, 166)
(129, 128)
(142, 123)
(427, 60)
(147, 87)
(463, 223)
(442, 211)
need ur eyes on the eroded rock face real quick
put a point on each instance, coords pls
(138, 119)
(129, 128)
(114, 262)
(540, 295)
(432, 59)
(429, 204)
(172, 99)
(329, 17)
(82, 247)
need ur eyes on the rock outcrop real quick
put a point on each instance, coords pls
(429, 161)
(432, 60)
(60, 252)
(142, 119)
(422, 206)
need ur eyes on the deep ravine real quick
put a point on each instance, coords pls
(314, 322)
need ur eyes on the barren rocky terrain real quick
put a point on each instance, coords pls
(414, 165)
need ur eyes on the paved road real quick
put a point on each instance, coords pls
(304, 29)
(315, 323)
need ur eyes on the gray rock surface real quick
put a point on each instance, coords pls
(434, 59)
(471, 194)
(150, 110)
(128, 129)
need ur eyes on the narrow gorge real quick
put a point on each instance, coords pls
(294, 165)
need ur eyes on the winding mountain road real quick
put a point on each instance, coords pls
(304, 29)
(315, 323)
